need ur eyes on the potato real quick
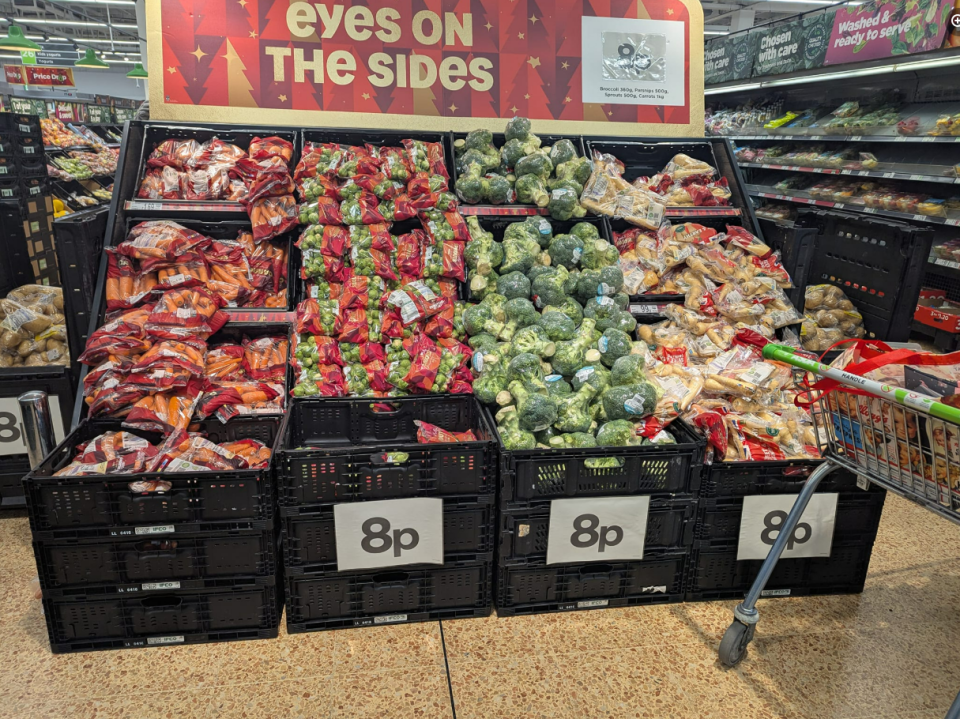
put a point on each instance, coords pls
(37, 359)
(6, 360)
(10, 340)
(826, 319)
(53, 344)
(58, 318)
(48, 309)
(37, 325)
(28, 347)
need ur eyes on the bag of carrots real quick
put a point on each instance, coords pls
(224, 362)
(123, 287)
(269, 184)
(265, 358)
(259, 397)
(256, 454)
(272, 216)
(113, 367)
(207, 184)
(263, 148)
(160, 240)
(123, 337)
(123, 452)
(114, 400)
(170, 353)
(217, 153)
(247, 169)
(166, 412)
(236, 190)
(188, 270)
(319, 317)
(268, 268)
(183, 452)
(188, 314)
(175, 153)
(151, 186)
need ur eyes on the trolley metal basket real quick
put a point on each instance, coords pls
(903, 441)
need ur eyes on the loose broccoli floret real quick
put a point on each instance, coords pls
(565, 250)
(629, 401)
(513, 285)
(526, 368)
(625, 322)
(497, 190)
(597, 376)
(558, 326)
(536, 410)
(518, 128)
(613, 345)
(572, 354)
(532, 340)
(520, 313)
(585, 231)
(573, 414)
(512, 436)
(482, 342)
(513, 151)
(603, 310)
(519, 253)
(628, 370)
(598, 254)
(482, 253)
(482, 285)
(531, 191)
(537, 163)
(564, 204)
(548, 287)
(491, 382)
(618, 433)
(557, 386)
(478, 140)
(571, 308)
(470, 184)
(488, 316)
(562, 151)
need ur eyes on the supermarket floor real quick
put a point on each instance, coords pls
(892, 652)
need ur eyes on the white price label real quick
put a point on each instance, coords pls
(160, 586)
(390, 619)
(645, 309)
(389, 533)
(11, 425)
(590, 603)
(870, 210)
(158, 529)
(856, 138)
(146, 205)
(160, 641)
(947, 263)
(598, 529)
(920, 218)
(889, 175)
(916, 177)
(3, 169)
(901, 138)
(929, 139)
(29, 150)
(764, 515)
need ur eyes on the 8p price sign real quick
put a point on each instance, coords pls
(764, 516)
(11, 425)
(600, 529)
(389, 533)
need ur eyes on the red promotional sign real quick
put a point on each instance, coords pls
(39, 75)
(602, 61)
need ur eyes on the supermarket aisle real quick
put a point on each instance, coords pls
(893, 652)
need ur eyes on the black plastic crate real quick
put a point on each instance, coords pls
(106, 500)
(10, 190)
(334, 450)
(18, 123)
(241, 611)
(8, 167)
(335, 601)
(535, 588)
(879, 263)
(652, 469)
(310, 542)
(499, 139)
(796, 246)
(858, 515)
(14, 381)
(715, 573)
(29, 147)
(145, 564)
(524, 528)
(8, 144)
(740, 479)
(29, 167)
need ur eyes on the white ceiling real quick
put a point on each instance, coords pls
(724, 16)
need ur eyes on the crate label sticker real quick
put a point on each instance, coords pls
(159, 641)
(389, 533)
(390, 619)
(597, 529)
(775, 593)
(863, 482)
(11, 425)
(158, 529)
(159, 586)
(28, 150)
(764, 515)
(593, 603)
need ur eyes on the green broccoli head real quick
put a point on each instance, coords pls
(570, 307)
(519, 252)
(622, 300)
(532, 340)
(520, 313)
(534, 272)
(573, 411)
(513, 437)
(568, 357)
(574, 440)
(597, 376)
(478, 140)
(537, 163)
(562, 151)
(586, 231)
(557, 386)
(598, 253)
(558, 326)
(541, 229)
(526, 368)
(613, 345)
(531, 191)
(513, 285)
(628, 370)
(518, 128)
(498, 190)
(616, 433)
(491, 382)
(547, 288)
(625, 322)
(629, 401)
(536, 410)
(483, 342)
(588, 285)
(565, 251)
(564, 204)
(488, 316)
(603, 310)
(512, 152)
(470, 185)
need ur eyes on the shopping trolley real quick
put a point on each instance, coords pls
(903, 441)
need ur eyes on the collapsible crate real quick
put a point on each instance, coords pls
(310, 543)
(338, 450)
(740, 479)
(180, 560)
(339, 600)
(879, 263)
(535, 588)
(796, 246)
(199, 616)
(649, 469)
(106, 501)
(524, 529)
(18, 123)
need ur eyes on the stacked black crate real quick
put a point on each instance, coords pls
(743, 505)
(26, 209)
(378, 528)
(155, 559)
(593, 528)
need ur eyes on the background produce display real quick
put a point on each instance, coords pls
(56, 134)
(33, 332)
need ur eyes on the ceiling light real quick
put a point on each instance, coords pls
(137, 71)
(91, 60)
(716, 32)
(16, 40)
(78, 23)
(101, 2)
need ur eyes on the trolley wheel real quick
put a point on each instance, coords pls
(733, 646)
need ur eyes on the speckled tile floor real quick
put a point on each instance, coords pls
(891, 653)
